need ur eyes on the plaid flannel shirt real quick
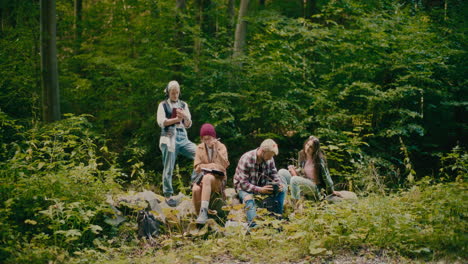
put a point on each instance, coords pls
(250, 176)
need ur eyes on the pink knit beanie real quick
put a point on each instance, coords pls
(207, 130)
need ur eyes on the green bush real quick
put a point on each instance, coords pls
(424, 221)
(454, 165)
(53, 188)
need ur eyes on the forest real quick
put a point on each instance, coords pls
(380, 82)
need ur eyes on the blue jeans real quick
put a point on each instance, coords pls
(251, 207)
(184, 147)
(300, 185)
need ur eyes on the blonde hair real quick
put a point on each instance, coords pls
(269, 145)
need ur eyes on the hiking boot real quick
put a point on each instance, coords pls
(253, 224)
(171, 202)
(203, 216)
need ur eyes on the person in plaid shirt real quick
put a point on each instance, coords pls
(256, 174)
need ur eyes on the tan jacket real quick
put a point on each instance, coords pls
(219, 160)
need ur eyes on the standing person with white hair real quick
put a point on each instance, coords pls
(173, 117)
(256, 174)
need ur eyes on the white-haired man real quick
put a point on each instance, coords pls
(173, 117)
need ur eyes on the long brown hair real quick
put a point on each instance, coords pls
(317, 153)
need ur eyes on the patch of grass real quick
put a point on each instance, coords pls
(426, 223)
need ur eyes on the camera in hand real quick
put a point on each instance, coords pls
(275, 187)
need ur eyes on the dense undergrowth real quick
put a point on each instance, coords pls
(53, 185)
(55, 178)
(427, 222)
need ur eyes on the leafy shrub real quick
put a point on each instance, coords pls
(424, 221)
(454, 165)
(53, 187)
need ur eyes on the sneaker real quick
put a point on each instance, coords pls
(202, 217)
(171, 202)
(253, 224)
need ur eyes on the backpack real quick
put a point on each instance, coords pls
(271, 204)
(148, 226)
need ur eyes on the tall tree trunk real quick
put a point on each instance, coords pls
(49, 70)
(78, 24)
(241, 29)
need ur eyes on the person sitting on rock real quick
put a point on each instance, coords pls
(211, 161)
(312, 175)
(256, 174)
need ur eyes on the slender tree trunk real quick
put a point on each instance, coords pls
(49, 69)
(445, 10)
(5, 15)
(197, 37)
(78, 24)
(241, 29)
(2, 17)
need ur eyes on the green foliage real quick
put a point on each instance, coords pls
(407, 162)
(382, 84)
(20, 61)
(377, 69)
(423, 221)
(43, 198)
(426, 222)
(9, 131)
(454, 165)
(181, 183)
(373, 175)
(137, 176)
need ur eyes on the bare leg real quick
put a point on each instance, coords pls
(210, 183)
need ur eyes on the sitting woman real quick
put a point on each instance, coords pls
(312, 177)
(211, 161)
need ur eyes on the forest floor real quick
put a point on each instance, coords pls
(345, 257)
(422, 225)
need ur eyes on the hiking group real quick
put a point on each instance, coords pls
(256, 174)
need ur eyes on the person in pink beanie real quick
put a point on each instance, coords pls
(211, 161)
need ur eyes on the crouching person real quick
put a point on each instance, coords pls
(211, 161)
(256, 174)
